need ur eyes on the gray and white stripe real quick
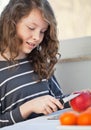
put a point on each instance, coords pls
(19, 87)
(14, 65)
(30, 96)
(15, 76)
(12, 117)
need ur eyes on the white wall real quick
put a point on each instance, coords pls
(73, 71)
(75, 47)
(74, 76)
(73, 17)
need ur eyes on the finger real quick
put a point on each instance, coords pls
(45, 112)
(53, 106)
(57, 103)
(49, 110)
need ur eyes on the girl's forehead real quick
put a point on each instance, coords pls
(35, 17)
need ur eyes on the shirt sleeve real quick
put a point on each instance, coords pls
(56, 90)
(10, 118)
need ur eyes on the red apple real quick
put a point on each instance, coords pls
(81, 102)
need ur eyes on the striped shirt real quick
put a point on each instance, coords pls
(18, 84)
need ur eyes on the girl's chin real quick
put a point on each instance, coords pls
(28, 51)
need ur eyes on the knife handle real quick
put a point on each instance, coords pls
(61, 100)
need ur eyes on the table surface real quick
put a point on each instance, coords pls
(49, 122)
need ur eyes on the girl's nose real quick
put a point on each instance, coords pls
(36, 36)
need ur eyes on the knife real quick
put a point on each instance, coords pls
(68, 98)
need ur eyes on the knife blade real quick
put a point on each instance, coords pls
(68, 98)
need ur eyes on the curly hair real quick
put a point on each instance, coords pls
(43, 60)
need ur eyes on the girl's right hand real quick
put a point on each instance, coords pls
(44, 104)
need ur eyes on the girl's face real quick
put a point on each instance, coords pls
(31, 30)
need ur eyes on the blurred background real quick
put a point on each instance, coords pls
(73, 16)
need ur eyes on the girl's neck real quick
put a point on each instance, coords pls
(7, 55)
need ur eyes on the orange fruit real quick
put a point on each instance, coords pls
(84, 118)
(68, 118)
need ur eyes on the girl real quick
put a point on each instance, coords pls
(28, 53)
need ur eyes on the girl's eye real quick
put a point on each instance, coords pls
(33, 28)
(42, 32)
(30, 28)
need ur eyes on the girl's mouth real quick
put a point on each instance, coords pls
(31, 45)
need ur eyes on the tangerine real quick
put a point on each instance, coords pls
(68, 118)
(84, 118)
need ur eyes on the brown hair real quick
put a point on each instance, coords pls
(43, 60)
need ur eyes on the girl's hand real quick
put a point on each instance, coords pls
(44, 104)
